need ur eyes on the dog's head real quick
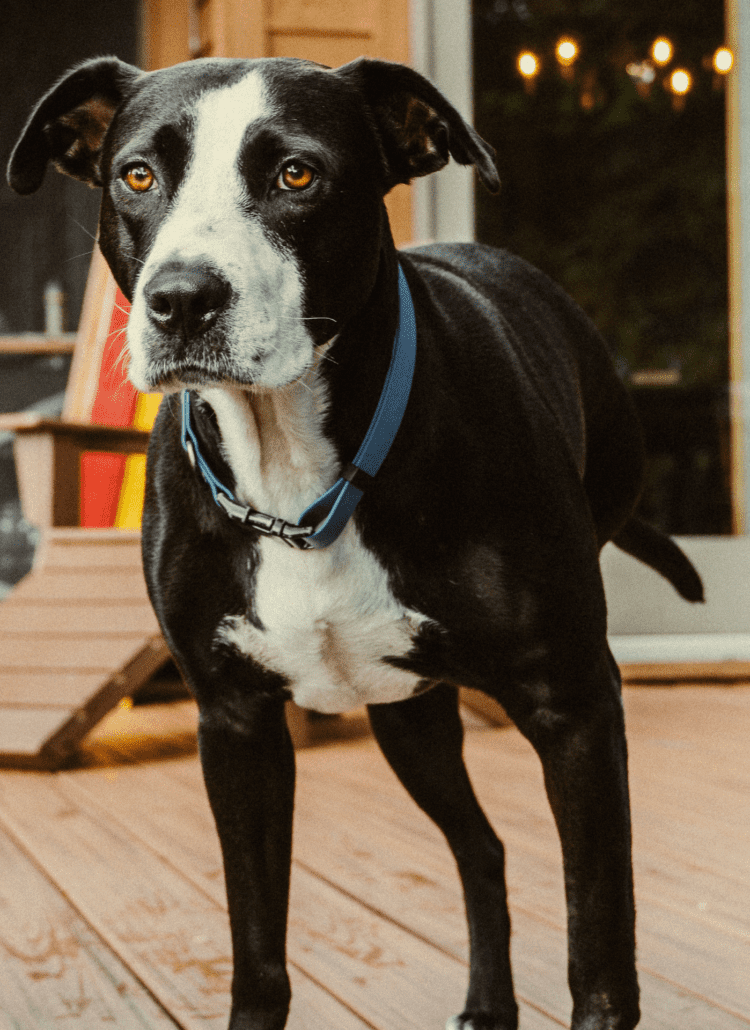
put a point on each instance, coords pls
(242, 209)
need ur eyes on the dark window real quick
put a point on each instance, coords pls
(45, 239)
(615, 185)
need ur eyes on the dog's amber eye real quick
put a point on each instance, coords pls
(139, 178)
(295, 176)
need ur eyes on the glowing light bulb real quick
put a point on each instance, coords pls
(680, 82)
(723, 60)
(662, 50)
(528, 64)
(567, 51)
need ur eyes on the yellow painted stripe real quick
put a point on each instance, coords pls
(130, 504)
(146, 408)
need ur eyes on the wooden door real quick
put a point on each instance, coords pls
(330, 32)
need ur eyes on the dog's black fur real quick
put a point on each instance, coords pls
(519, 456)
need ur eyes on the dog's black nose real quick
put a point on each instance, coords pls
(184, 299)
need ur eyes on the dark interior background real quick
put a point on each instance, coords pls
(621, 197)
(45, 238)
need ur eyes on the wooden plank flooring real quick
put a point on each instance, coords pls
(76, 636)
(112, 909)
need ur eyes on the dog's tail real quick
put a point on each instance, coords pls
(656, 549)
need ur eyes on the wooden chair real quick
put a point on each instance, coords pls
(78, 635)
(71, 470)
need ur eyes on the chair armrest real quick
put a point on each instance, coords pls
(38, 343)
(124, 439)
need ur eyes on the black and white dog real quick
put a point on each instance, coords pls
(243, 215)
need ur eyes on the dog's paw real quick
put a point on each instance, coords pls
(481, 1021)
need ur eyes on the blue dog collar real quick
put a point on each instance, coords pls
(322, 522)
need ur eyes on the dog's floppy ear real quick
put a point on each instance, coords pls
(69, 124)
(418, 128)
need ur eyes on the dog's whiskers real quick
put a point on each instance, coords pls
(122, 358)
(77, 257)
(83, 228)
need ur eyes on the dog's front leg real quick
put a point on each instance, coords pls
(248, 766)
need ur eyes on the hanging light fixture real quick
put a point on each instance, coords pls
(662, 51)
(680, 82)
(566, 53)
(529, 66)
(723, 60)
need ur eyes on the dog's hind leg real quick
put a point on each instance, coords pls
(580, 738)
(422, 739)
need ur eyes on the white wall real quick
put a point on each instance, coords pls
(738, 190)
(442, 50)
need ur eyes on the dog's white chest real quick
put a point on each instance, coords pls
(328, 622)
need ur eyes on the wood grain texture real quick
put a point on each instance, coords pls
(336, 15)
(67, 651)
(33, 617)
(377, 935)
(54, 689)
(170, 933)
(55, 970)
(86, 585)
(24, 731)
(708, 673)
(377, 967)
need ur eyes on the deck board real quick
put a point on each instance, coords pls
(123, 850)
(172, 936)
(55, 969)
(76, 636)
(392, 976)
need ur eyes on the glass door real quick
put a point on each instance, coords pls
(612, 120)
(608, 118)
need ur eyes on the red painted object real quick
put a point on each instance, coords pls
(114, 405)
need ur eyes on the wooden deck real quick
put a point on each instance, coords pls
(112, 899)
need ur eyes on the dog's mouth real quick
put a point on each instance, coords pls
(172, 376)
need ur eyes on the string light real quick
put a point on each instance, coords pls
(566, 51)
(528, 64)
(662, 50)
(642, 73)
(680, 82)
(723, 60)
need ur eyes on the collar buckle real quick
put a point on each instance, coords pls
(268, 525)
